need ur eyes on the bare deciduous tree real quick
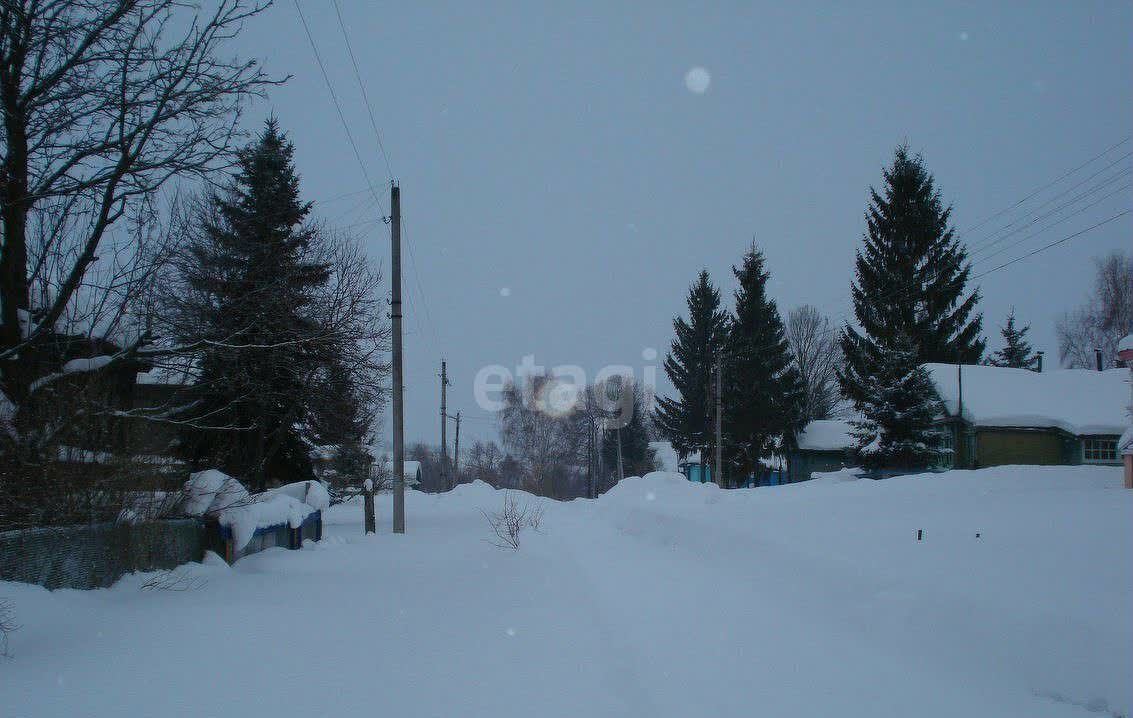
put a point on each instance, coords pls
(104, 102)
(814, 347)
(1104, 319)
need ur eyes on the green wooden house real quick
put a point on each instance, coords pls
(822, 445)
(995, 416)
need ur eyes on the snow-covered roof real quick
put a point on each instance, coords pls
(1076, 400)
(1126, 344)
(1125, 443)
(412, 469)
(826, 435)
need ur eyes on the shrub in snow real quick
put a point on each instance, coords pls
(173, 580)
(508, 523)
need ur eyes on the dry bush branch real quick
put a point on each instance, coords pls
(173, 580)
(508, 523)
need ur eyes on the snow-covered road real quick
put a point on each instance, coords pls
(662, 598)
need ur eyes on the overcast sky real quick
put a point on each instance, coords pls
(564, 177)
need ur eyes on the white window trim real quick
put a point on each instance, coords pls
(1113, 457)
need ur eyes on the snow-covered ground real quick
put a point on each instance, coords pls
(662, 598)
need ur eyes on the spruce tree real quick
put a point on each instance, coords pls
(899, 405)
(253, 283)
(686, 421)
(910, 279)
(763, 392)
(1016, 352)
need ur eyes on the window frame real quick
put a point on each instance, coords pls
(1099, 450)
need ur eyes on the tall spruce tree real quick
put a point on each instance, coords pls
(763, 392)
(910, 279)
(253, 283)
(1016, 352)
(899, 405)
(686, 421)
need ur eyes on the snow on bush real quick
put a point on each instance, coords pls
(312, 493)
(210, 491)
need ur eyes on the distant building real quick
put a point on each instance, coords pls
(412, 472)
(995, 416)
(822, 445)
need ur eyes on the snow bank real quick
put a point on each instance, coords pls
(1075, 400)
(826, 435)
(669, 598)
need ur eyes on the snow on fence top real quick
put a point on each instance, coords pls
(1076, 400)
(826, 435)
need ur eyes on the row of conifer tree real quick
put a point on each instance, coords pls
(912, 306)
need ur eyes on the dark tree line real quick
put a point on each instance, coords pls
(911, 306)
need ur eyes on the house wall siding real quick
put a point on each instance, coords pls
(803, 463)
(999, 447)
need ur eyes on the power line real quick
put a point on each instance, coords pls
(1079, 233)
(1037, 218)
(1046, 186)
(1091, 205)
(362, 87)
(389, 169)
(338, 106)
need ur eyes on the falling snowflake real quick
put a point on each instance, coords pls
(510, 632)
(697, 80)
(505, 291)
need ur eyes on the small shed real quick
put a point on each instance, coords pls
(412, 472)
(822, 445)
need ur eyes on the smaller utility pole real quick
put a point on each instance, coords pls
(590, 492)
(719, 426)
(444, 426)
(621, 468)
(456, 453)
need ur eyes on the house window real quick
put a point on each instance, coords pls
(1098, 450)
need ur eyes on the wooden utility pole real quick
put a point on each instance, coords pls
(398, 395)
(719, 427)
(444, 426)
(456, 453)
(621, 468)
(590, 429)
